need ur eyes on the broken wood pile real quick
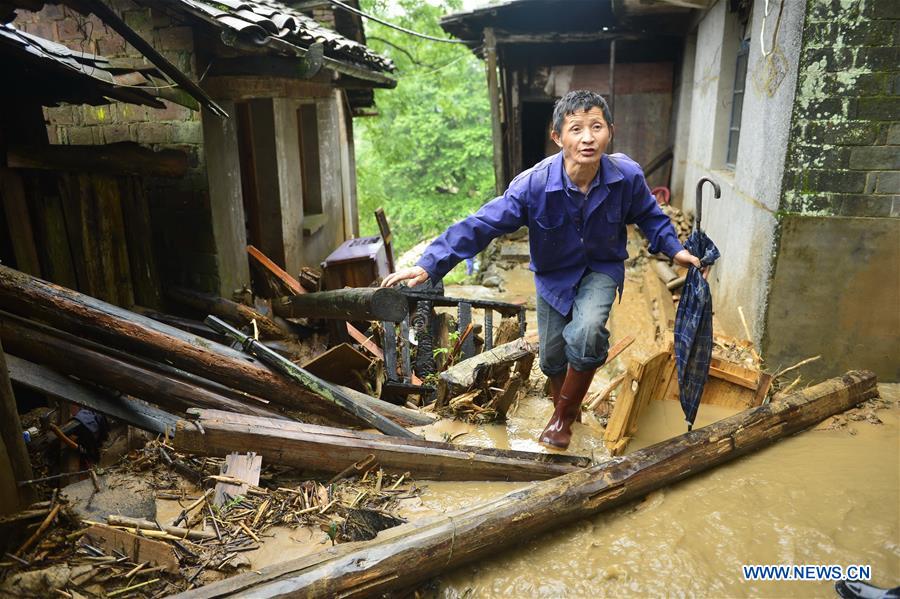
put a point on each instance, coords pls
(207, 538)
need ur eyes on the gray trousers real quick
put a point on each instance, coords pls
(579, 339)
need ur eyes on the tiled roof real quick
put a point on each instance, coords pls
(66, 75)
(259, 21)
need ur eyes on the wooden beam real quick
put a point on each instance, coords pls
(421, 550)
(125, 158)
(47, 381)
(466, 374)
(490, 55)
(18, 219)
(359, 303)
(11, 437)
(327, 449)
(266, 264)
(207, 303)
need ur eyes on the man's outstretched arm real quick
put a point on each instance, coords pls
(464, 239)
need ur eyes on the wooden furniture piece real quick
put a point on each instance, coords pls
(356, 263)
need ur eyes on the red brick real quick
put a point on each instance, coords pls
(152, 133)
(111, 46)
(175, 38)
(130, 113)
(100, 115)
(81, 135)
(116, 133)
(67, 29)
(63, 115)
(172, 112)
(44, 29)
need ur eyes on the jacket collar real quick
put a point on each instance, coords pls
(556, 181)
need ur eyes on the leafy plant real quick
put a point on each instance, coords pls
(427, 157)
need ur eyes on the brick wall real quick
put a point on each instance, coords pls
(844, 154)
(179, 208)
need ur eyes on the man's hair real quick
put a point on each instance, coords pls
(579, 99)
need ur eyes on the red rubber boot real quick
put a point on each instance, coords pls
(558, 431)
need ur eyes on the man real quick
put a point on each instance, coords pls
(576, 205)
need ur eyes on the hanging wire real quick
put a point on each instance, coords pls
(414, 75)
(424, 36)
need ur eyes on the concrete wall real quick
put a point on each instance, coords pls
(835, 289)
(743, 221)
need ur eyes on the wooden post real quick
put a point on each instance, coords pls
(490, 56)
(421, 550)
(208, 303)
(11, 434)
(612, 85)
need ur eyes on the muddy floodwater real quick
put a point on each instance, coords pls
(820, 497)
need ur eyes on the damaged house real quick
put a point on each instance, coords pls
(251, 144)
(791, 107)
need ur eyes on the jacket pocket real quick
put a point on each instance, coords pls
(548, 239)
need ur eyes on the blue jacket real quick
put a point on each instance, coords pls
(569, 232)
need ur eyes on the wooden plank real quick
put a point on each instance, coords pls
(126, 158)
(648, 387)
(339, 364)
(18, 219)
(59, 352)
(138, 549)
(264, 262)
(139, 233)
(243, 467)
(464, 375)
(50, 234)
(315, 447)
(410, 553)
(490, 65)
(207, 303)
(399, 414)
(11, 437)
(111, 242)
(44, 380)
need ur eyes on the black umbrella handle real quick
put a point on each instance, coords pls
(717, 192)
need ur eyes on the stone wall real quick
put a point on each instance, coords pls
(835, 286)
(844, 155)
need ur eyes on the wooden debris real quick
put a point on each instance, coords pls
(150, 340)
(315, 447)
(139, 549)
(175, 531)
(324, 390)
(244, 468)
(36, 536)
(355, 303)
(422, 550)
(399, 414)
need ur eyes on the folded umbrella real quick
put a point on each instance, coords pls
(693, 320)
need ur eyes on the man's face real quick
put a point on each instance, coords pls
(585, 136)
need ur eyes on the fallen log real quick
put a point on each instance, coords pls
(420, 550)
(69, 358)
(83, 315)
(44, 380)
(326, 449)
(358, 303)
(321, 388)
(207, 303)
(398, 414)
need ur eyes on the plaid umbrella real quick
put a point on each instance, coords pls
(693, 320)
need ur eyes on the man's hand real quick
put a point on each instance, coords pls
(414, 275)
(685, 258)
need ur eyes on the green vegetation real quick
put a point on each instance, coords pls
(426, 157)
